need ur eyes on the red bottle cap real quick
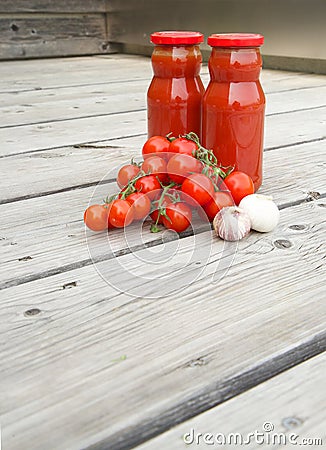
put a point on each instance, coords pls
(235, 40)
(177, 37)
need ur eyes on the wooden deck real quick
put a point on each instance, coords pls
(94, 352)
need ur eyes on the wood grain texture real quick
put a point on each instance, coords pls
(56, 134)
(193, 346)
(52, 35)
(48, 6)
(292, 401)
(23, 76)
(72, 103)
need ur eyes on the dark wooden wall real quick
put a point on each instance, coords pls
(40, 28)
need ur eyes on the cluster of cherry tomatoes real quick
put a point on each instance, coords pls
(177, 177)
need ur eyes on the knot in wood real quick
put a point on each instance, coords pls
(291, 422)
(312, 195)
(282, 243)
(69, 285)
(197, 362)
(32, 312)
(14, 27)
(25, 258)
(298, 227)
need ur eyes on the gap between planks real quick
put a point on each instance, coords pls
(292, 402)
(214, 395)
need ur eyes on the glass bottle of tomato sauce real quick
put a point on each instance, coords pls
(175, 94)
(234, 103)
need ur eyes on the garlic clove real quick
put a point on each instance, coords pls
(232, 223)
(263, 212)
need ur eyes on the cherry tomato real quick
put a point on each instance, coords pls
(240, 185)
(141, 205)
(156, 166)
(199, 187)
(120, 213)
(96, 217)
(110, 226)
(178, 217)
(156, 145)
(220, 199)
(154, 215)
(127, 173)
(184, 146)
(149, 185)
(180, 166)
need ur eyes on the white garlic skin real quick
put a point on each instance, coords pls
(263, 212)
(232, 223)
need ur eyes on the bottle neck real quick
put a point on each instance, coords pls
(235, 64)
(182, 61)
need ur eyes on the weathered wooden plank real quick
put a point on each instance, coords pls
(309, 98)
(39, 97)
(52, 35)
(24, 75)
(293, 127)
(74, 102)
(53, 168)
(55, 47)
(292, 402)
(48, 6)
(25, 70)
(197, 344)
(17, 76)
(56, 134)
(71, 103)
(288, 128)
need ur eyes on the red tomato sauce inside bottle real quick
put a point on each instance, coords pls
(175, 94)
(234, 103)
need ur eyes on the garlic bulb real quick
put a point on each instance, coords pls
(232, 223)
(263, 212)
